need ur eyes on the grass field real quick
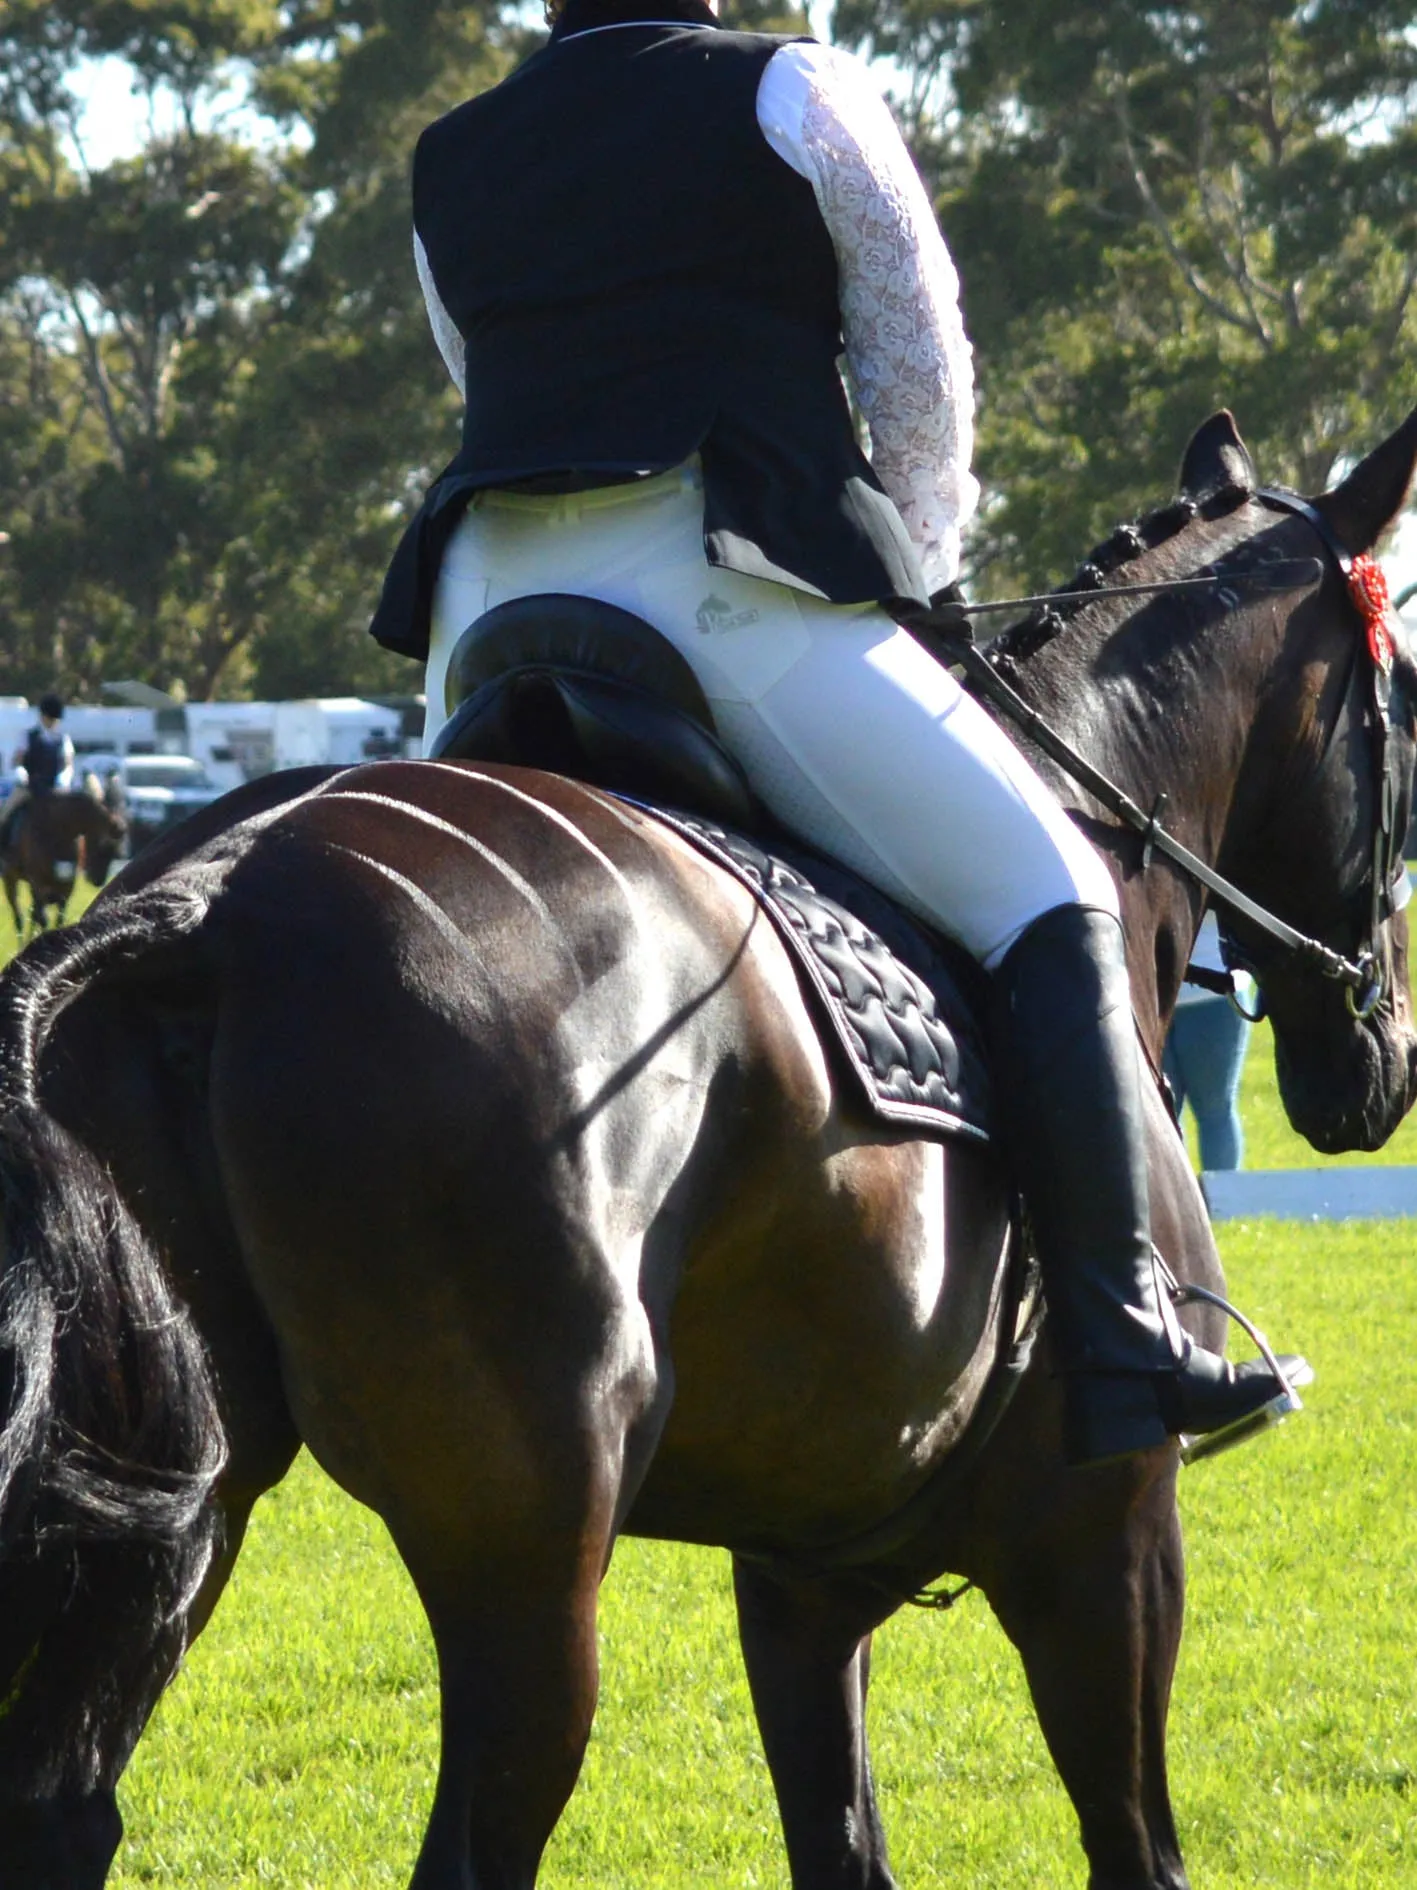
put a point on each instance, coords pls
(297, 1748)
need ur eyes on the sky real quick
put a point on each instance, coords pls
(116, 121)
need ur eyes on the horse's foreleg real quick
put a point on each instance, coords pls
(807, 1651)
(1094, 1607)
(12, 894)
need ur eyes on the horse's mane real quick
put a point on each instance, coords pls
(1024, 639)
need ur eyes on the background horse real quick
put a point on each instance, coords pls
(465, 1125)
(53, 837)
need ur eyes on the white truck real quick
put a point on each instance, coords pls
(339, 730)
(239, 741)
(234, 741)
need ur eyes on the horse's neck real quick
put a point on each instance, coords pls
(1156, 714)
(69, 817)
(1164, 700)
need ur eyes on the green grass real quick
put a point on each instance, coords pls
(297, 1747)
(83, 896)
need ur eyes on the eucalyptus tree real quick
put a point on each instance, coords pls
(216, 388)
(218, 397)
(1158, 209)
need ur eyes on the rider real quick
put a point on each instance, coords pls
(642, 255)
(45, 763)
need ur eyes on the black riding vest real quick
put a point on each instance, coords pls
(44, 759)
(637, 276)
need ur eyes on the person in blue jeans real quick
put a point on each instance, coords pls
(1205, 1054)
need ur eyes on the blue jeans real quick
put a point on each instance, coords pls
(1205, 1053)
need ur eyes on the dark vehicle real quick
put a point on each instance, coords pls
(154, 791)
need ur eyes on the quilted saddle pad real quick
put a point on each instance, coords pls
(898, 1005)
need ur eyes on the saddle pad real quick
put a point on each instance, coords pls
(906, 1033)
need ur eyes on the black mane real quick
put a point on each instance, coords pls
(1024, 639)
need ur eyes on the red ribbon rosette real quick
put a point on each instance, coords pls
(1367, 586)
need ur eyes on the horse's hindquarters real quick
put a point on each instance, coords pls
(587, 1126)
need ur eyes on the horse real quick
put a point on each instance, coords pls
(463, 1124)
(48, 841)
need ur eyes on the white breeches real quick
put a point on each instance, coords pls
(850, 733)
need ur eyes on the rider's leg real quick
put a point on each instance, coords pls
(857, 739)
(932, 797)
(17, 797)
(1066, 1049)
(849, 731)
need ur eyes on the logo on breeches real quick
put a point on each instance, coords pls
(716, 615)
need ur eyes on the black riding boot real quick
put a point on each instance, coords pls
(1066, 1049)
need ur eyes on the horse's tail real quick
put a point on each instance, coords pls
(109, 1424)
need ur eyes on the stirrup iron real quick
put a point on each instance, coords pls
(1286, 1401)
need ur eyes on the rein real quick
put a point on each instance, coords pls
(1362, 976)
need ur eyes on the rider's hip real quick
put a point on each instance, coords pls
(848, 730)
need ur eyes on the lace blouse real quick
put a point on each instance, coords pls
(908, 359)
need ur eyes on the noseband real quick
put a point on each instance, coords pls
(1362, 976)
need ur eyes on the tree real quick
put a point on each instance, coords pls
(1158, 210)
(217, 392)
(219, 399)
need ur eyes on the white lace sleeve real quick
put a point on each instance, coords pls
(450, 343)
(907, 355)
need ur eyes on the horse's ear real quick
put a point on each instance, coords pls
(1370, 498)
(1217, 457)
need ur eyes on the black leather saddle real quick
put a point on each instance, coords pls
(583, 688)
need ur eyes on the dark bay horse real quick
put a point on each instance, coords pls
(54, 836)
(462, 1124)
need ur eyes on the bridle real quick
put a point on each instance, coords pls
(1388, 889)
(1388, 885)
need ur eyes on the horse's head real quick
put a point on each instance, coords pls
(105, 838)
(1252, 704)
(1322, 809)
